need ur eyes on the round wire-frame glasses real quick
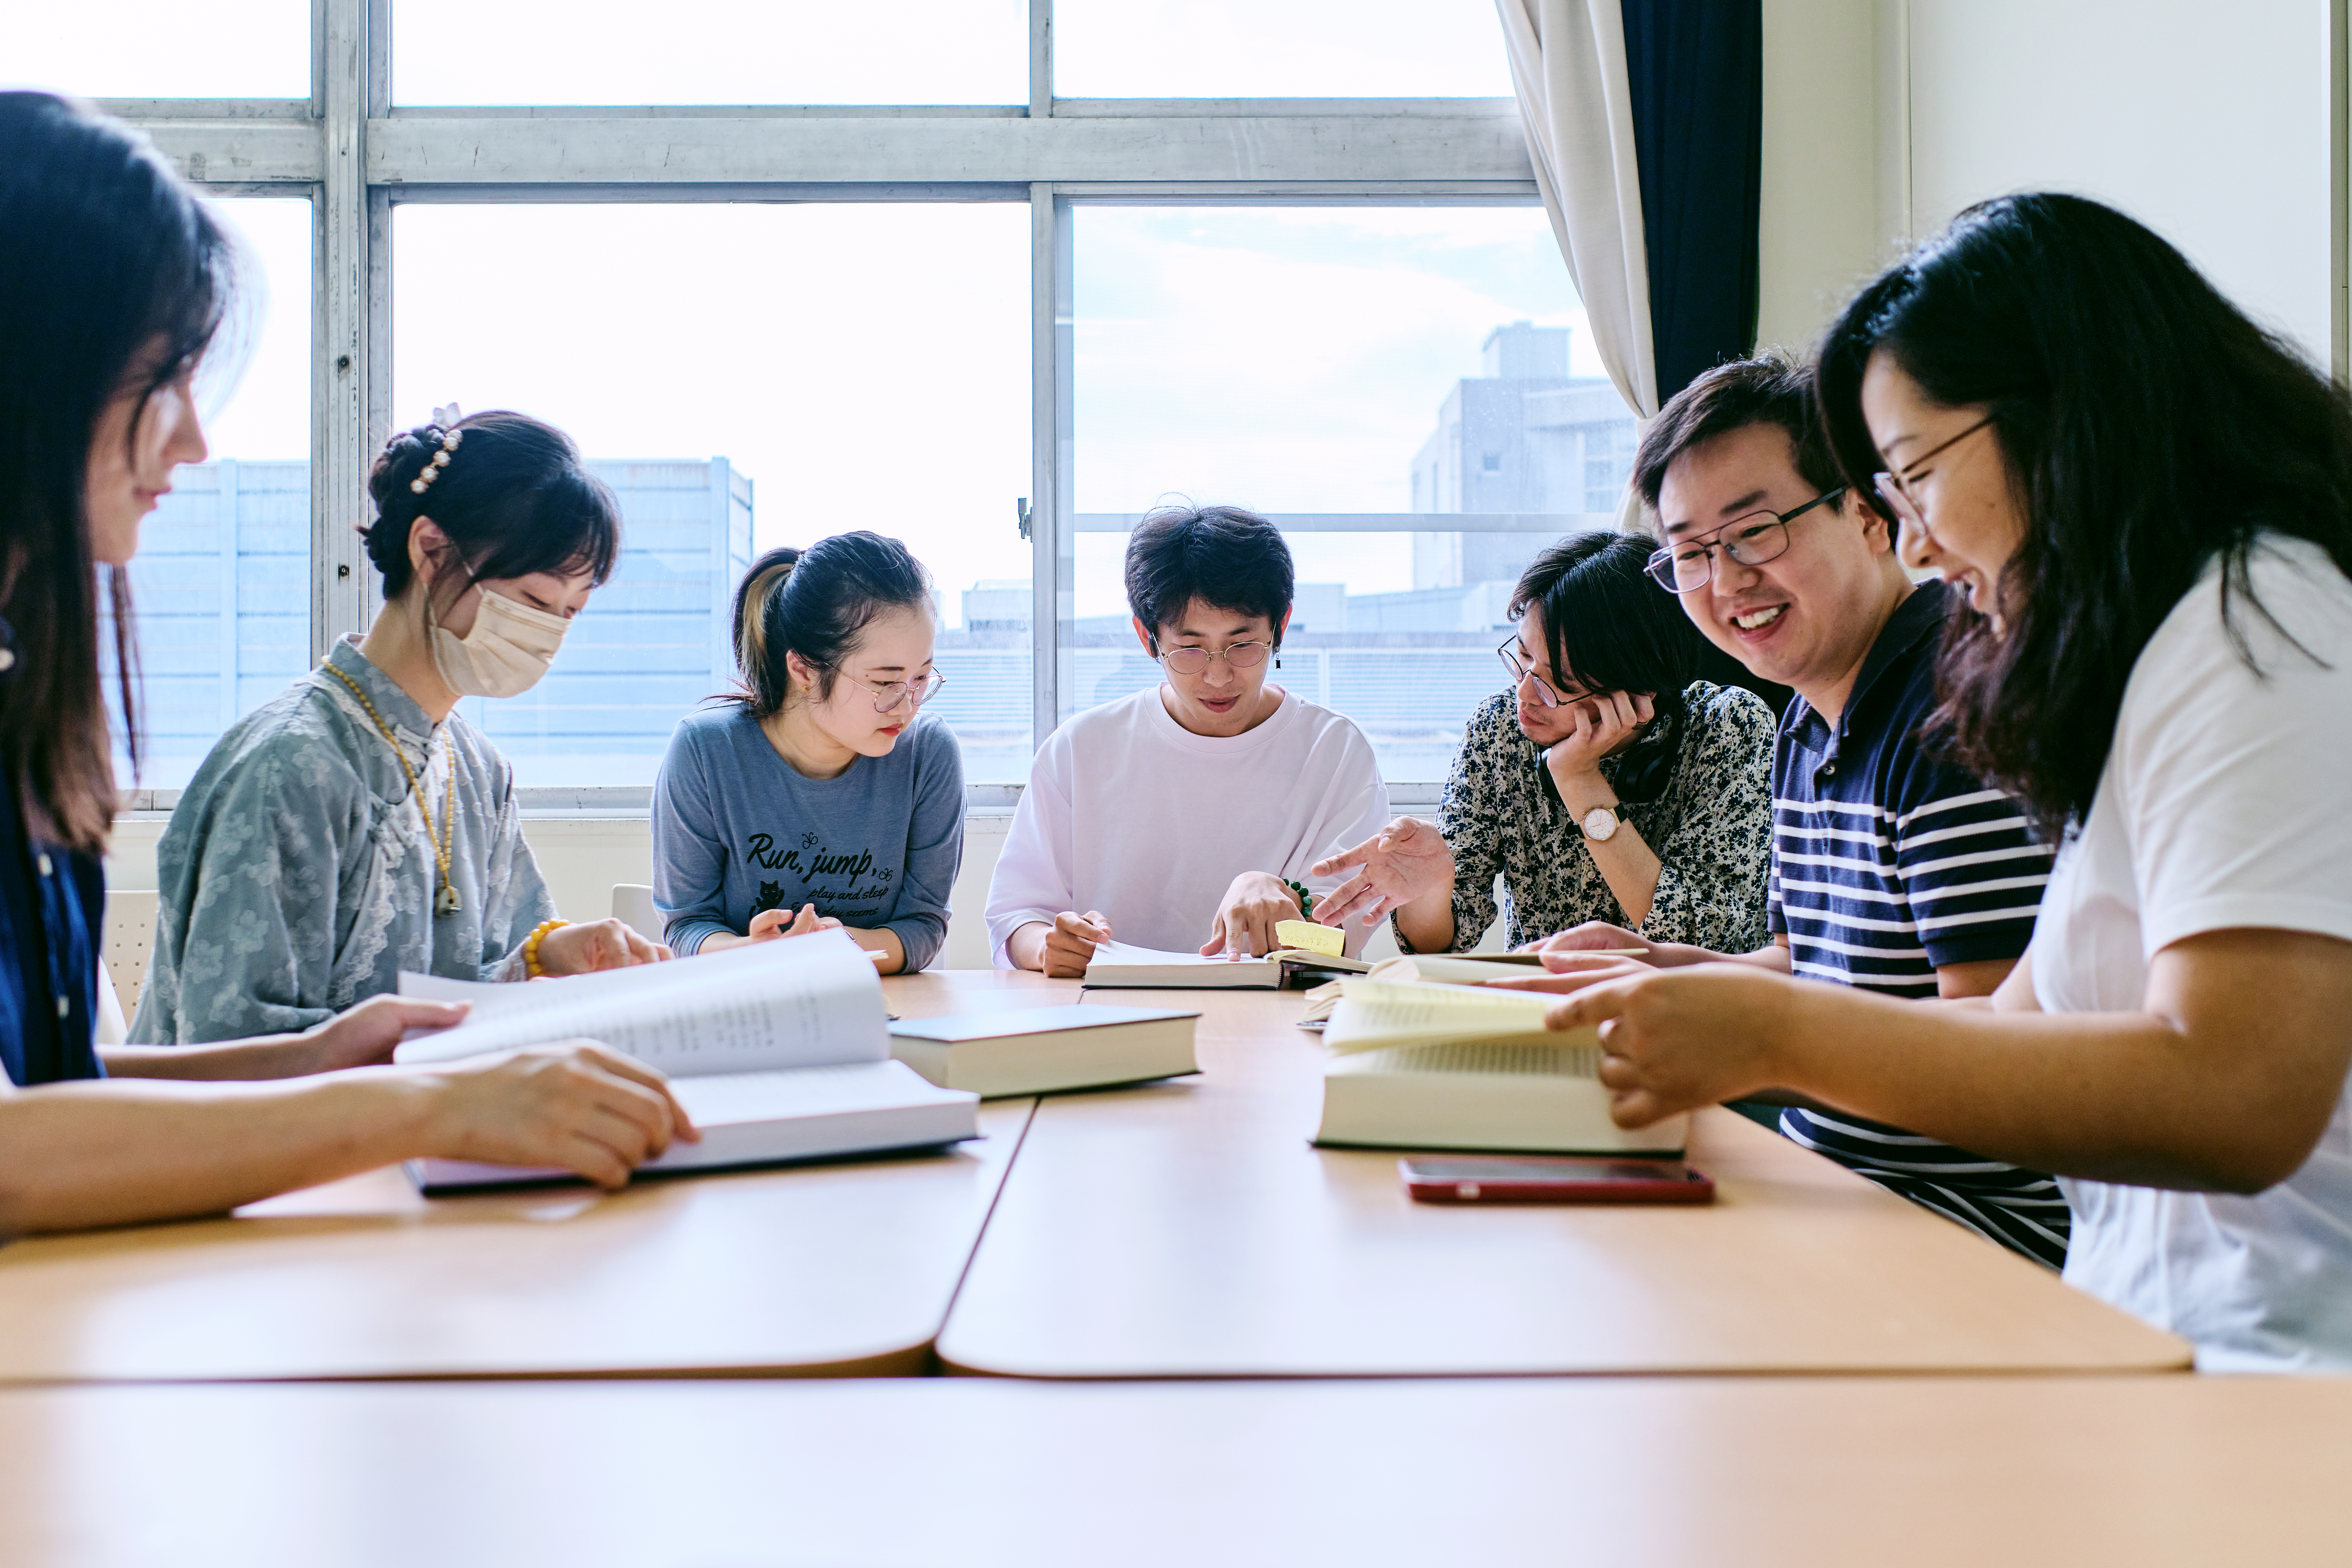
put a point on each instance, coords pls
(1895, 488)
(1195, 660)
(890, 693)
(1521, 669)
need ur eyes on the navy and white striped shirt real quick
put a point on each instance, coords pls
(1889, 863)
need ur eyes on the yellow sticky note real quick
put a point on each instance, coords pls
(1308, 937)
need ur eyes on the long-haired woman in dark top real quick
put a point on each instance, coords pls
(355, 826)
(821, 794)
(1611, 783)
(112, 285)
(2146, 502)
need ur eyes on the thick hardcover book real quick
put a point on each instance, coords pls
(1036, 1050)
(780, 1052)
(1422, 1066)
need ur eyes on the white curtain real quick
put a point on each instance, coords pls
(1567, 64)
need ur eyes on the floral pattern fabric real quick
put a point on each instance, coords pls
(1709, 824)
(295, 875)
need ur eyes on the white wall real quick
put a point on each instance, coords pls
(1821, 232)
(2208, 123)
(582, 856)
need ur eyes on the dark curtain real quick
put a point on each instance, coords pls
(1695, 70)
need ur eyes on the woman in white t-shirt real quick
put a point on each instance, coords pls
(2148, 500)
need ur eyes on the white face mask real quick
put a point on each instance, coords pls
(509, 649)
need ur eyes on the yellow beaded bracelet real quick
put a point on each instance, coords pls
(531, 945)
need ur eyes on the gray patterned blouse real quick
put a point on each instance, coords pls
(295, 876)
(1710, 823)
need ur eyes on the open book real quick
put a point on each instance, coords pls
(1443, 968)
(779, 1051)
(1425, 1066)
(1118, 965)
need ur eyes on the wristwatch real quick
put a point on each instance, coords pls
(1600, 824)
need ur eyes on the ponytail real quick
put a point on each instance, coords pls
(756, 591)
(816, 602)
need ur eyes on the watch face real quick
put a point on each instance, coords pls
(1599, 822)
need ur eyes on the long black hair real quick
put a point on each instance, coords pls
(514, 498)
(1607, 627)
(817, 603)
(108, 257)
(2149, 427)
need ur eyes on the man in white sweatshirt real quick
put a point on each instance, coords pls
(1179, 818)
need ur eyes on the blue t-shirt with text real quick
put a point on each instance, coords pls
(738, 829)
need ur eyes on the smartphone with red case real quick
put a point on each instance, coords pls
(1552, 1179)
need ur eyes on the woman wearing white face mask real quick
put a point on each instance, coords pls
(355, 826)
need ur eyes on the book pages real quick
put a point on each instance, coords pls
(805, 1001)
(1374, 1015)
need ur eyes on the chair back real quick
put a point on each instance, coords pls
(128, 944)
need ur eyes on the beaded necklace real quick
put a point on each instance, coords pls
(446, 902)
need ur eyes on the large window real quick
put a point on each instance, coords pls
(711, 51)
(160, 49)
(746, 376)
(990, 276)
(1409, 391)
(222, 582)
(1279, 48)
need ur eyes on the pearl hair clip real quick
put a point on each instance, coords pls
(444, 420)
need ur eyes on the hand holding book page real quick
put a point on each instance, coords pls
(1375, 1014)
(814, 1000)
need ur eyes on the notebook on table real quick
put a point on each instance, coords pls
(1037, 1050)
(1425, 1066)
(780, 1052)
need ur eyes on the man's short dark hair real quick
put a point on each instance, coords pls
(1221, 555)
(1769, 389)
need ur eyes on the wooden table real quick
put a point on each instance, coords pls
(836, 1269)
(1807, 1473)
(1187, 1229)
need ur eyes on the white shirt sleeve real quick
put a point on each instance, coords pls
(1034, 877)
(1356, 807)
(2232, 775)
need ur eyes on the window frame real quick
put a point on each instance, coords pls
(357, 155)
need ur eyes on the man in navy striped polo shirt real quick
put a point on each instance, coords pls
(1892, 868)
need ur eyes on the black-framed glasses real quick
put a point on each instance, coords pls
(1894, 487)
(890, 693)
(1523, 669)
(1688, 565)
(1195, 660)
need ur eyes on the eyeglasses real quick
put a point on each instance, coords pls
(1687, 566)
(890, 693)
(1523, 669)
(1895, 488)
(1237, 656)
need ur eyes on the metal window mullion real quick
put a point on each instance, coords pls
(348, 365)
(1041, 58)
(1046, 504)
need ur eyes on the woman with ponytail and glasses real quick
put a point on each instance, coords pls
(355, 826)
(2145, 500)
(821, 794)
(116, 278)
